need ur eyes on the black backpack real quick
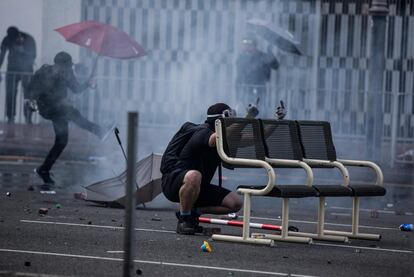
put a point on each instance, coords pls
(176, 145)
(41, 84)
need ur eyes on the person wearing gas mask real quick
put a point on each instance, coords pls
(188, 166)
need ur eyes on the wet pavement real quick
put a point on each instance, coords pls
(79, 238)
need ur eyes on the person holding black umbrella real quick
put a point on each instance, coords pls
(48, 88)
(253, 71)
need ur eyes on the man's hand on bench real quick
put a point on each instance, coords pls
(280, 113)
(252, 111)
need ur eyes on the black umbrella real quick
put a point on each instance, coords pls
(113, 190)
(278, 37)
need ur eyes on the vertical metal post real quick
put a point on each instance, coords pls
(378, 12)
(315, 66)
(130, 203)
(394, 127)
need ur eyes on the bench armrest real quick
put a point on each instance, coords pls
(373, 166)
(308, 170)
(245, 162)
(326, 163)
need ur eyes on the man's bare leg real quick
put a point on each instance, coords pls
(188, 194)
(190, 190)
(230, 204)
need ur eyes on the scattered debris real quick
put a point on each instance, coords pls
(233, 215)
(293, 228)
(43, 211)
(30, 188)
(27, 263)
(205, 247)
(8, 193)
(406, 227)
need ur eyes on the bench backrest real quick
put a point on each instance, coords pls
(242, 138)
(316, 140)
(281, 139)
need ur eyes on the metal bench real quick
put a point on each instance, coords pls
(282, 144)
(240, 144)
(319, 151)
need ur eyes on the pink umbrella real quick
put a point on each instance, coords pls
(103, 39)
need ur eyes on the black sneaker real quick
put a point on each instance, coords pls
(185, 225)
(45, 175)
(198, 228)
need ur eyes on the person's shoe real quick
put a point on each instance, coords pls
(185, 225)
(45, 175)
(194, 218)
(106, 131)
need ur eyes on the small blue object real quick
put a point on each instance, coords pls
(406, 227)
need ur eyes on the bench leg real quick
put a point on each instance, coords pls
(246, 215)
(355, 225)
(321, 234)
(245, 238)
(285, 234)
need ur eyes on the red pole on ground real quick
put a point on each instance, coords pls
(239, 223)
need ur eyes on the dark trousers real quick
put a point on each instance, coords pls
(12, 83)
(60, 122)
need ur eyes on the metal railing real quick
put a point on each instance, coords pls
(166, 104)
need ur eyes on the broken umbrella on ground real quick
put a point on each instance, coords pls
(112, 191)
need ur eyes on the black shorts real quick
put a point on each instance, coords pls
(210, 195)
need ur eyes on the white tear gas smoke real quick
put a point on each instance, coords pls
(177, 84)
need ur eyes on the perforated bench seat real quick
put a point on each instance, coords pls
(286, 191)
(368, 190)
(333, 190)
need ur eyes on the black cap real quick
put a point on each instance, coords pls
(217, 108)
(63, 58)
(12, 31)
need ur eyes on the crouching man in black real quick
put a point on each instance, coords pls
(188, 166)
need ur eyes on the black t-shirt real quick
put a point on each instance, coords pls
(198, 155)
